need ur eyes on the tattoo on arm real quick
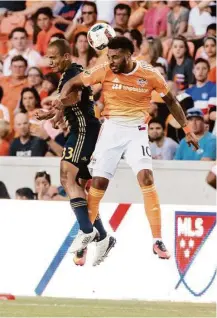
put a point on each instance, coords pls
(175, 109)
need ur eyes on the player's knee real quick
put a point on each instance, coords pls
(100, 183)
(145, 177)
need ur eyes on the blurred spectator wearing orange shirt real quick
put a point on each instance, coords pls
(87, 19)
(4, 144)
(13, 85)
(44, 18)
(121, 16)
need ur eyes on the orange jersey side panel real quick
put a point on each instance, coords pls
(127, 96)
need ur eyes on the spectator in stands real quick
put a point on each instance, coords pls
(12, 85)
(203, 89)
(119, 32)
(49, 84)
(20, 46)
(210, 51)
(199, 19)
(212, 104)
(155, 20)
(207, 141)
(65, 12)
(25, 194)
(137, 16)
(177, 23)
(121, 16)
(83, 53)
(151, 51)
(177, 19)
(35, 78)
(211, 30)
(88, 18)
(26, 145)
(211, 177)
(3, 191)
(43, 188)
(29, 103)
(57, 36)
(162, 148)
(44, 17)
(4, 113)
(181, 64)
(1, 68)
(33, 6)
(136, 37)
(4, 144)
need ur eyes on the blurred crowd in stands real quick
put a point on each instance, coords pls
(176, 37)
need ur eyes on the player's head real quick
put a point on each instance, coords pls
(120, 50)
(59, 54)
(156, 129)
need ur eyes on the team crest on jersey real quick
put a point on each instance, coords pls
(192, 231)
(142, 82)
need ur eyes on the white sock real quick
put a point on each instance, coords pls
(155, 239)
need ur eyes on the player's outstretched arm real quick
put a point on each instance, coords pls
(177, 112)
(69, 92)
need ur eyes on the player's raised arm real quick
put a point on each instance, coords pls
(177, 112)
(160, 85)
(88, 77)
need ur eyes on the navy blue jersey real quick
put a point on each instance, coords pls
(81, 114)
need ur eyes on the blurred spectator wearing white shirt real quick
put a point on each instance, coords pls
(20, 46)
(199, 19)
(162, 148)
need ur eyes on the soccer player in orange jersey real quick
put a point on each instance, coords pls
(127, 86)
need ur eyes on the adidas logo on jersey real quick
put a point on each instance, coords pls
(116, 80)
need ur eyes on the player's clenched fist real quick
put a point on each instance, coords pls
(40, 114)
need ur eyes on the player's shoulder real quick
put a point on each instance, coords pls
(147, 68)
(98, 67)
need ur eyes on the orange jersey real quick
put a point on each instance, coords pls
(127, 96)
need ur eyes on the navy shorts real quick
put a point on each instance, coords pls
(79, 147)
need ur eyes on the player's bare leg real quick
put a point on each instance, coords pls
(153, 211)
(87, 232)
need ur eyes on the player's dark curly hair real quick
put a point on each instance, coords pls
(120, 42)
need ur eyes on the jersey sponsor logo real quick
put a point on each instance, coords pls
(129, 88)
(192, 230)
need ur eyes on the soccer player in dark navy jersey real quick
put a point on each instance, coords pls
(84, 129)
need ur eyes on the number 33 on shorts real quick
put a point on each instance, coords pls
(67, 153)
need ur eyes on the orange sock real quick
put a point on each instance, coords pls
(152, 208)
(94, 198)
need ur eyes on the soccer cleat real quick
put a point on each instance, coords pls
(80, 257)
(82, 240)
(160, 249)
(103, 248)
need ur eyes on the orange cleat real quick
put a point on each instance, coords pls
(80, 257)
(160, 249)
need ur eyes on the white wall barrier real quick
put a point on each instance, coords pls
(178, 182)
(34, 237)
